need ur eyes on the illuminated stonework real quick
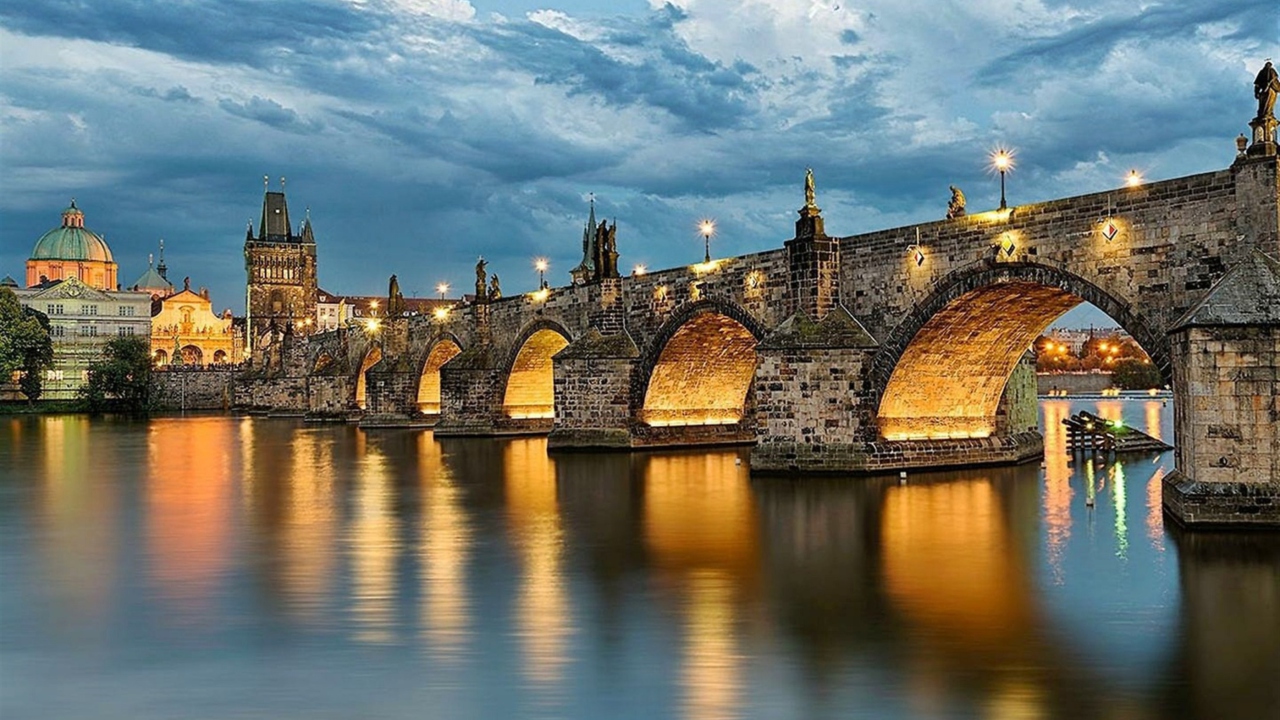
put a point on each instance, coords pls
(429, 387)
(373, 357)
(703, 374)
(530, 385)
(948, 382)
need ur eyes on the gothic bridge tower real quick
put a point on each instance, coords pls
(281, 273)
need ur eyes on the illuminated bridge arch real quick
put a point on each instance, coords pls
(444, 349)
(699, 367)
(942, 370)
(530, 388)
(371, 358)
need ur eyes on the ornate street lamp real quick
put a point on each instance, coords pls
(706, 228)
(1002, 162)
(541, 265)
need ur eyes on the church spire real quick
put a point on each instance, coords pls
(162, 270)
(275, 225)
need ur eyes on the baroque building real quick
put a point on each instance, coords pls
(186, 331)
(72, 250)
(281, 273)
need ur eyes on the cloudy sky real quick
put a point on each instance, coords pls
(422, 133)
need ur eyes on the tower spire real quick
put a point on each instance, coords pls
(162, 269)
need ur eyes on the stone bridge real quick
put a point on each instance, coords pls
(902, 348)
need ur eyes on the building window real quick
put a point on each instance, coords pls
(54, 309)
(53, 375)
(124, 330)
(89, 330)
(58, 331)
(127, 310)
(90, 309)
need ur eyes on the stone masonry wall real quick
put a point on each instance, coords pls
(193, 389)
(592, 402)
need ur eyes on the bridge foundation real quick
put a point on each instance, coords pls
(1226, 372)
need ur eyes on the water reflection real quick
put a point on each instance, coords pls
(542, 605)
(334, 571)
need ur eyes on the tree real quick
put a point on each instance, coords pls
(1135, 374)
(121, 378)
(25, 345)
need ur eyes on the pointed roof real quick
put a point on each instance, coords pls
(838, 329)
(8, 282)
(1249, 294)
(152, 280)
(275, 226)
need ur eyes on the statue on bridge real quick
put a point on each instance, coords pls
(395, 301)
(481, 277)
(1265, 87)
(955, 207)
(810, 194)
(495, 290)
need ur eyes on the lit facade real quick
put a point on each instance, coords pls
(281, 273)
(187, 325)
(82, 319)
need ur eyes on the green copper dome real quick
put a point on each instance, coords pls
(72, 241)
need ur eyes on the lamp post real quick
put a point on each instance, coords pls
(442, 288)
(1002, 161)
(707, 228)
(1133, 179)
(541, 265)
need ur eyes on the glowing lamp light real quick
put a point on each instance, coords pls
(442, 288)
(1002, 162)
(540, 264)
(373, 325)
(541, 295)
(1133, 179)
(442, 313)
(706, 228)
(639, 270)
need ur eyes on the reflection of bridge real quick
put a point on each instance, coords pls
(894, 349)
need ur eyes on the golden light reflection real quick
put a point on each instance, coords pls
(711, 673)
(700, 524)
(1151, 414)
(949, 562)
(1155, 509)
(1015, 699)
(1111, 410)
(1057, 480)
(443, 554)
(374, 545)
(308, 526)
(542, 604)
(78, 508)
(188, 501)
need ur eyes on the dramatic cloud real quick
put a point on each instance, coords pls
(422, 133)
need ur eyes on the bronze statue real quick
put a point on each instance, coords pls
(495, 290)
(1265, 87)
(810, 195)
(395, 301)
(481, 277)
(955, 208)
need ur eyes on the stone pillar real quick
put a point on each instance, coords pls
(1226, 381)
(811, 395)
(593, 392)
(608, 312)
(1257, 186)
(391, 386)
(813, 286)
(470, 394)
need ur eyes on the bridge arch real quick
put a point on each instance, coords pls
(698, 368)
(371, 357)
(442, 349)
(529, 392)
(943, 368)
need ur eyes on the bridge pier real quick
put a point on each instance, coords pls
(1226, 379)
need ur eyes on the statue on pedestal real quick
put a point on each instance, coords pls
(1265, 87)
(395, 301)
(955, 207)
(481, 278)
(495, 290)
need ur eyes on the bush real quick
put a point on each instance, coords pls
(121, 379)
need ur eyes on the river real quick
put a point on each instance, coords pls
(228, 567)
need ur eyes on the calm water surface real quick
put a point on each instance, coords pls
(246, 568)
